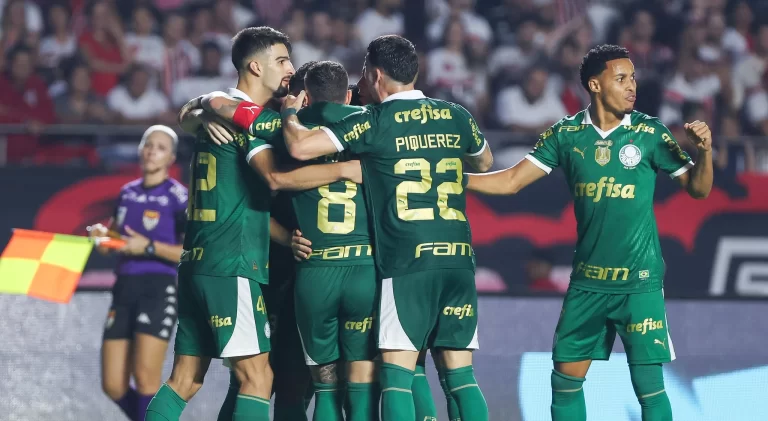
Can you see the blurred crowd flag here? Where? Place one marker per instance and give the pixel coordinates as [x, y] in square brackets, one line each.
[43, 265]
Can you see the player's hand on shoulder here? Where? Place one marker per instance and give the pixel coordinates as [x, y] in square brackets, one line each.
[219, 131]
[700, 134]
[295, 102]
[300, 246]
[193, 104]
[352, 171]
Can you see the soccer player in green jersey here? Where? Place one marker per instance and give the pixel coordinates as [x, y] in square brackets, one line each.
[336, 287]
[610, 155]
[412, 150]
[221, 308]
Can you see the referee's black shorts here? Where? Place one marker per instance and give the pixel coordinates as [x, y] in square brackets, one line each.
[142, 304]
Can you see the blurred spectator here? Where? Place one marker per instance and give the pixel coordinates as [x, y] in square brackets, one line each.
[566, 77]
[750, 80]
[653, 61]
[61, 43]
[345, 49]
[383, 19]
[530, 108]
[505, 18]
[737, 38]
[508, 62]
[230, 17]
[143, 45]
[474, 94]
[302, 50]
[136, 102]
[25, 100]
[272, 12]
[103, 46]
[19, 26]
[181, 58]
[447, 64]
[79, 105]
[694, 82]
[315, 44]
[208, 79]
[476, 26]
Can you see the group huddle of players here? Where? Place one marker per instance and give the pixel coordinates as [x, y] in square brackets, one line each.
[385, 267]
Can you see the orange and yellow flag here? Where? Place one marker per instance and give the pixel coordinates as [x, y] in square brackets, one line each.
[43, 265]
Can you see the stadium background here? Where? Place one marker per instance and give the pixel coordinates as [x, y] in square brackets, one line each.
[69, 127]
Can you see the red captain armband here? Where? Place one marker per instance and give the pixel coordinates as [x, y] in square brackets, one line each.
[246, 113]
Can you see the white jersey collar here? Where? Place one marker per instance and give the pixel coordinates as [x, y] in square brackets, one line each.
[412, 94]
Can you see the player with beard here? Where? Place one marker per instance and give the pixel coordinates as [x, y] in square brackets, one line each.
[610, 155]
[225, 260]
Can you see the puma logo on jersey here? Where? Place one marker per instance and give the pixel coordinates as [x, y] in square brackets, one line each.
[251, 109]
[580, 152]
[660, 342]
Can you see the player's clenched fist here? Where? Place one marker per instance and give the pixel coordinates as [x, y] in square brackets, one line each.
[698, 132]
[294, 102]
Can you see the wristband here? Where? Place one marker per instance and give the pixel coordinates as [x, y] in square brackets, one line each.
[245, 114]
[288, 112]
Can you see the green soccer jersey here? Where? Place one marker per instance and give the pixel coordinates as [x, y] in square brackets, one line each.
[411, 149]
[228, 229]
[612, 177]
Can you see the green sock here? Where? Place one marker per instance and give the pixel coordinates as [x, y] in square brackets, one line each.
[167, 405]
[568, 398]
[363, 399]
[648, 382]
[328, 402]
[251, 408]
[396, 396]
[422, 396]
[463, 387]
[228, 407]
[453, 408]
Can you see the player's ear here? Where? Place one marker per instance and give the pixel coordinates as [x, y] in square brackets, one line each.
[254, 67]
[307, 98]
[349, 97]
[594, 85]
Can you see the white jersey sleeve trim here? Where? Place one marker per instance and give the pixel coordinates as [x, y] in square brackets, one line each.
[538, 163]
[256, 150]
[682, 170]
[334, 139]
[485, 145]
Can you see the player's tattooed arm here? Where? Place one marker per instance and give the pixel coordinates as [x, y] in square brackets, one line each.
[302, 143]
[218, 130]
[505, 182]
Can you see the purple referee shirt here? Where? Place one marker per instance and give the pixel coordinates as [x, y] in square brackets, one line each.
[157, 212]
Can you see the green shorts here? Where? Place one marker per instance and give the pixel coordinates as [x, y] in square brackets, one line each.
[335, 312]
[589, 322]
[432, 308]
[221, 317]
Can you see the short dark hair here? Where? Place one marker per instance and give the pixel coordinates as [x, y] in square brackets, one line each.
[395, 56]
[253, 40]
[327, 81]
[355, 100]
[296, 84]
[595, 60]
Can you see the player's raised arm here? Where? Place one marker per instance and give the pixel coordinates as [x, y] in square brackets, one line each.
[303, 143]
[698, 181]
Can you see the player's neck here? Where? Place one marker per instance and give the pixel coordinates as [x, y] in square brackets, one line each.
[396, 88]
[602, 118]
[257, 92]
[154, 179]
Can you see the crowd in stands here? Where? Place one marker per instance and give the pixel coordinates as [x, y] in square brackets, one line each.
[512, 63]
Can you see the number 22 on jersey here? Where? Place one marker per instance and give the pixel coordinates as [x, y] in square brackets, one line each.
[198, 185]
[423, 186]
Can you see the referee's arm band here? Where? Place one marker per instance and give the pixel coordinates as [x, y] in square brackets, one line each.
[246, 113]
